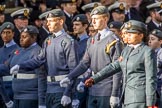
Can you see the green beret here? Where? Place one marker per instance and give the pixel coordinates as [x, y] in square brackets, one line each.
[21, 13]
[155, 6]
[157, 33]
[55, 13]
[134, 26]
[88, 7]
[6, 25]
[99, 11]
[31, 29]
[81, 17]
[117, 7]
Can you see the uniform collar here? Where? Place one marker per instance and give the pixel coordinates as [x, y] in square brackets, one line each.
[156, 23]
[103, 33]
[83, 36]
[67, 13]
[59, 33]
[12, 42]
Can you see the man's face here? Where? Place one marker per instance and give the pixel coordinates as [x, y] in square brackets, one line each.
[118, 16]
[99, 21]
[154, 42]
[78, 27]
[7, 35]
[71, 8]
[134, 38]
[157, 16]
[124, 36]
[21, 23]
[54, 24]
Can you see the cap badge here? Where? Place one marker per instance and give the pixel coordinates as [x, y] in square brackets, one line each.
[121, 6]
[26, 13]
[8, 26]
[111, 25]
[2, 7]
[154, 32]
[77, 18]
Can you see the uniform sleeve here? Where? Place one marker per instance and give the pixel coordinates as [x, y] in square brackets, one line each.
[34, 62]
[82, 66]
[118, 76]
[151, 79]
[108, 71]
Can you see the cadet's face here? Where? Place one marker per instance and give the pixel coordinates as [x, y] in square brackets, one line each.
[25, 40]
[124, 36]
[99, 21]
[54, 24]
[92, 31]
[118, 16]
[134, 38]
[116, 31]
[78, 27]
[154, 42]
[7, 35]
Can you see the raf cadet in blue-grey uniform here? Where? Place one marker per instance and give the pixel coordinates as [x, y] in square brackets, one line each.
[59, 55]
[101, 50]
[25, 84]
[80, 24]
[21, 20]
[7, 34]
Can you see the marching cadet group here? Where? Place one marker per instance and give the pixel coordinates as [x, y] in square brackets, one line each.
[94, 54]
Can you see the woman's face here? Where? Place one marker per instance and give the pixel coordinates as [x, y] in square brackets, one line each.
[134, 38]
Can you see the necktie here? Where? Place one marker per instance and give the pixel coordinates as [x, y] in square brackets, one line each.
[98, 38]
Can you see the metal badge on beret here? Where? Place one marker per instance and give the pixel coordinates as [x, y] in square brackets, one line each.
[111, 25]
[129, 25]
[26, 13]
[8, 26]
[25, 30]
[121, 6]
[77, 18]
[154, 32]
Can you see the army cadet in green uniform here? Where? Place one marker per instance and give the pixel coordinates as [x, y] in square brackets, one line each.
[139, 69]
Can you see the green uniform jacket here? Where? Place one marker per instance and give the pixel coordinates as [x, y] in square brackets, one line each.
[139, 71]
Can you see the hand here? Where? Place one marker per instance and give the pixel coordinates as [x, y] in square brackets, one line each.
[114, 101]
[9, 104]
[65, 100]
[152, 107]
[14, 70]
[89, 82]
[80, 87]
[65, 82]
[75, 103]
[42, 106]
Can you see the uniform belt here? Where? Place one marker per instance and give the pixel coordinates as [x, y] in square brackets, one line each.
[7, 78]
[25, 76]
[55, 78]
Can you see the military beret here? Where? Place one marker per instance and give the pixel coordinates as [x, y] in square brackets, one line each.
[134, 26]
[2, 8]
[115, 24]
[117, 7]
[99, 10]
[157, 33]
[68, 1]
[6, 25]
[81, 17]
[31, 29]
[55, 13]
[88, 7]
[21, 13]
[155, 6]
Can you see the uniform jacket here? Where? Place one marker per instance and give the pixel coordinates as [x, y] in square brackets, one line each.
[139, 70]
